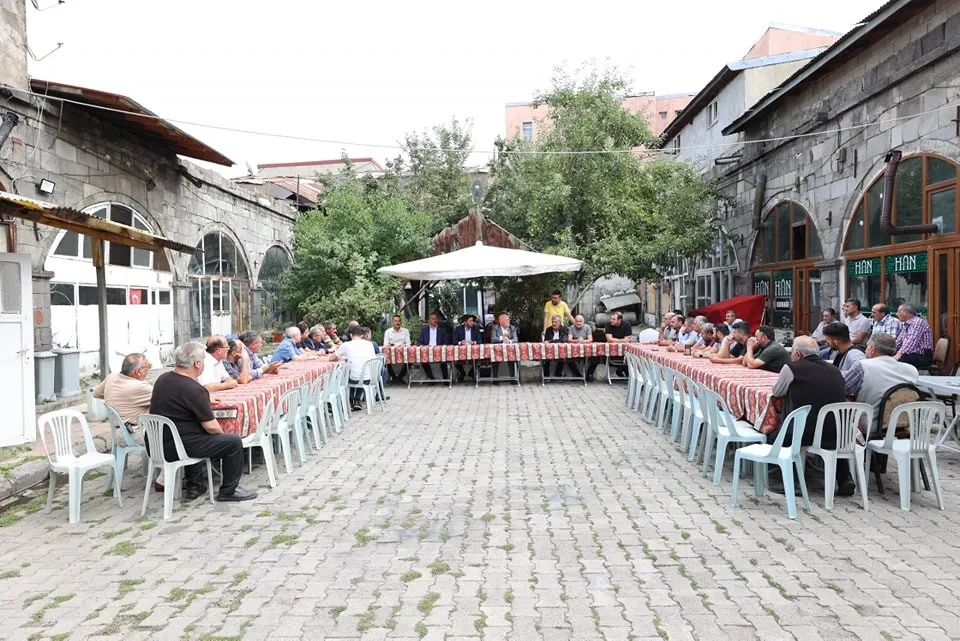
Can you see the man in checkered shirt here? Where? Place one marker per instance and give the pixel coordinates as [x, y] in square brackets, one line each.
[883, 321]
[915, 340]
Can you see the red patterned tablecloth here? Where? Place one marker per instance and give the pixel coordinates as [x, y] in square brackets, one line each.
[746, 391]
[239, 410]
[499, 353]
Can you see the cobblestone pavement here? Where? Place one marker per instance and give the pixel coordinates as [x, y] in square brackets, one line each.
[501, 513]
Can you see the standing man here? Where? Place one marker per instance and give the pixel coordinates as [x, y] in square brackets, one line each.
[214, 375]
[397, 336]
[504, 333]
[433, 335]
[764, 352]
[128, 391]
[253, 343]
[179, 397]
[466, 334]
[858, 324]
[619, 331]
[883, 321]
[731, 318]
[556, 307]
[915, 340]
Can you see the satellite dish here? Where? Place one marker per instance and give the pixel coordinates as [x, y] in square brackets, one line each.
[250, 171]
[477, 189]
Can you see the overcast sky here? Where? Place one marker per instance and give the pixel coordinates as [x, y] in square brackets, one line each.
[368, 72]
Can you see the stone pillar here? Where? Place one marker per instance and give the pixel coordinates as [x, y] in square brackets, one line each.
[830, 283]
[256, 309]
[13, 44]
[181, 312]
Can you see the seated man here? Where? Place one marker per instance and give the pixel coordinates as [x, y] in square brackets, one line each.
[288, 351]
[859, 325]
[829, 317]
[915, 340]
[179, 397]
[764, 352]
[127, 391]
[733, 351]
[671, 328]
[357, 352]
[620, 331]
[838, 340]
[705, 340]
[253, 343]
[809, 380]
[731, 318]
[236, 363]
[713, 337]
[331, 330]
[503, 334]
[871, 378]
[687, 336]
[466, 334]
[313, 341]
[346, 335]
[580, 332]
[557, 333]
[433, 334]
[397, 336]
[214, 375]
[883, 321]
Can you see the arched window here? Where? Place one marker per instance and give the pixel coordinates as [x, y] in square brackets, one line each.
[785, 250]
[275, 263]
[73, 245]
[219, 287]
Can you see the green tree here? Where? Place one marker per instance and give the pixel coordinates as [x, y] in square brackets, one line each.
[364, 224]
[591, 192]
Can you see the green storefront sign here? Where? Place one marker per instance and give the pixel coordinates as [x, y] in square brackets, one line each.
[905, 263]
[864, 267]
[783, 283]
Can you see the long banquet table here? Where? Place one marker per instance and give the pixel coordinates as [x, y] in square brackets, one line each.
[239, 410]
[746, 391]
[499, 353]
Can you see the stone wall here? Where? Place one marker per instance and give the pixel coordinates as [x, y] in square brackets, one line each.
[13, 43]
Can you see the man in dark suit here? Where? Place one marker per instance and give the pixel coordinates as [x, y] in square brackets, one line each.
[557, 333]
[466, 334]
[504, 333]
[433, 334]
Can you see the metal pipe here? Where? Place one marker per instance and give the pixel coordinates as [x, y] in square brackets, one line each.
[8, 122]
[889, 186]
[758, 198]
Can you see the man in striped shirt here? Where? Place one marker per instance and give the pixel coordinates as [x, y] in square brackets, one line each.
[915, 340]
[883, 321]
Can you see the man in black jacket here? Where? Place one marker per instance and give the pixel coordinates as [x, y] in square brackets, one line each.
[809, 380]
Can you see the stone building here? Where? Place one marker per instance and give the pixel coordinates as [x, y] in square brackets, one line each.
[809, 186]
[105, 155]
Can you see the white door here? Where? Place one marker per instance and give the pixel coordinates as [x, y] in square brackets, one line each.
[18, 419]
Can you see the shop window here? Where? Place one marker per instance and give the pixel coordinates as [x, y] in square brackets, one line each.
[71, 246]
[62, 294]
[786, 234]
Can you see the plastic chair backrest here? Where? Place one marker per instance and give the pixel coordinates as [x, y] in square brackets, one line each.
[61, 426]
[117, 428]
[268, 419]
[289, 404]
[304, 397]
[721, 415]
[331, 385]
[941, 350]
[798, 420]
[371, 370]
[895, 397]
[153, 427]
[921, 417]
[693, 394]
[344, 374]
[848, 418]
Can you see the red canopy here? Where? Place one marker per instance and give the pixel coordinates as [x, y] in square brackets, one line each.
[748, 308]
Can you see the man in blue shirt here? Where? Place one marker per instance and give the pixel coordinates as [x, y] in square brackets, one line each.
[287, 350]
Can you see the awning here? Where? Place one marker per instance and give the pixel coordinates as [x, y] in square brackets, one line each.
[480, 261]
[70, 219]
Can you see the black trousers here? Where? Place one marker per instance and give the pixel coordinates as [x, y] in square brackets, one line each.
[463, 372]
[394, 375]
[228, 448]
[510, 366]
[920, 360]
[356, 393]
[428, 370]
[558, 366]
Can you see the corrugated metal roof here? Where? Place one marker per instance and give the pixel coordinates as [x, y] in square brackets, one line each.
[611, 303]
[335, 161]
[122, 111]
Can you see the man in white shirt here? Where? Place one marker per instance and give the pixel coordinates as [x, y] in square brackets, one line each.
[357, 352]
[397, 336]
[214, 375]
[859, 325]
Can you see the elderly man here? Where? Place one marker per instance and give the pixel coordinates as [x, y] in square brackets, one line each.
[179, 397]
[346, 335]
[432, 334]
[288, 351]
[556, 307]
[214, 375]
[871, 378]
[915, 340]
[712, 337]
[883, 321]
[733, 351]
[503, 334]
[397, 336]
[236, 363]
[858, 324]
[466, 334]
[253, 343]
[313, 341]
[829, 317]
[808, 380]
[688, 335]
[672, 324]
[580, 332]
[764, 352]
[331, 329]
[127, 391]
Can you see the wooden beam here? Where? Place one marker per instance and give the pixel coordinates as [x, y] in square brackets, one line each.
[98, 263]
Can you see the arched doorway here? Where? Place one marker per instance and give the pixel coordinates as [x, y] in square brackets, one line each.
[920, 269]
[275, 263]
[138, 293]
[219, 287]
[786, 249]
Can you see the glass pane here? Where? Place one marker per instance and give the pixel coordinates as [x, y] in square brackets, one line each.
[855, 233]
[910, 287]
[783, 233]
[196, 261]
[799, 215]
[228, 257]
[757, 258]
[799, 242]
[768, 239]
[275, 262]
[943, 292]
[211, 254]
[813, 300]
[139, 224]
[122, 215]
[813, 238]
[878, 237]
[866, 289]
[909, 190]
[195, 304]
[10, 295]
[943, 210]
[68, 245]
[62, 294]
[164, 297]
[88, 295]
[940, 170]
[216, 299]
[116, 296]
[141, 257]
[119, 255]
[87, 248]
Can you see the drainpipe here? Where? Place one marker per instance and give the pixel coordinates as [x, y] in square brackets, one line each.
[8, 122]
[889, 184]
[758, 198]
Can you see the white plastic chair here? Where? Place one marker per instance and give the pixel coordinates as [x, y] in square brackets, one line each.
[634, 384]
[121, 445]
[669, 397]
[330, 398]
[652, 396]
[288, 404]
[725, 429]
[153, 429]
[847, 417]
[692, 413]
[787, 458]
[370, 384]
[908, 452]
[317, 412]
[64, 461]
[96, 407]
[345, 391]
[263, 438]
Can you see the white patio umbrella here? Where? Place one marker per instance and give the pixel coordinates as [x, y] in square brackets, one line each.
[482, 260]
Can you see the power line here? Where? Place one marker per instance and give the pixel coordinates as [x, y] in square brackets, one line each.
[522, 152]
